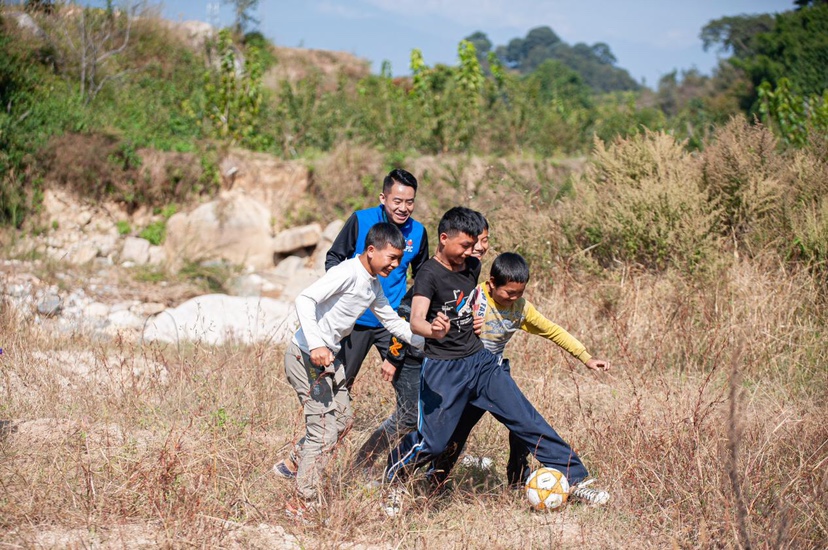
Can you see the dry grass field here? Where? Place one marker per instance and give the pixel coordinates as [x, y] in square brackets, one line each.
[710, 432]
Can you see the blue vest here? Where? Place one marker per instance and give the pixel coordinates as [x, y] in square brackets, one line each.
[394, 286]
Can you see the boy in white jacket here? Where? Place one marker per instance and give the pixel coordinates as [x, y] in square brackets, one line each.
[327, 311]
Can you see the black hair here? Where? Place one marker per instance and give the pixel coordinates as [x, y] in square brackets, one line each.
[509, 267]
[484, 221]
[461, 220]
[398, 175]
[384, 234]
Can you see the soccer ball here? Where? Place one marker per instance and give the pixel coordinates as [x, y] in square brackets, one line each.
[547, 489]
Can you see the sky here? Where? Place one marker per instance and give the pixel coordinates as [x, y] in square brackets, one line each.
[650, 38]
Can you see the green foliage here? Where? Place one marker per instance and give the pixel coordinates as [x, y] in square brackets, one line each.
[640, 202]
[232, 95]
[449, 97]
[123, 227]
[795, 118]
[594, 64]
[155, 232]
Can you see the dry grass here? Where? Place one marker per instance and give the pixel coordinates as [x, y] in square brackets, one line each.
[120, 445]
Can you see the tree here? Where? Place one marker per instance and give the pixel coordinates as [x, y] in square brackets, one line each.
[242, 10]
[736, 34]
[89, 42]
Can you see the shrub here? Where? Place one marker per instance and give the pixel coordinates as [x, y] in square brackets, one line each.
[640, 201]
[742, 174]
[155, 232]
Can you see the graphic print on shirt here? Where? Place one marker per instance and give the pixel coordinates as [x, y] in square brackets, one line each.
[459, 309]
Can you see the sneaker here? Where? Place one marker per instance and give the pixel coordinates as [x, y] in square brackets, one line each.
[393, 501]
[285, 468]
[583, 493]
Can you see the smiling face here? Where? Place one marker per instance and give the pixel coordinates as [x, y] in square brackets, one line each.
[482, 245]
[383, 261]
[456, 248]
[506, 294]
[398, 203]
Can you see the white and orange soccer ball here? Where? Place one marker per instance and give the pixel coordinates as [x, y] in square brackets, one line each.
[547, 489]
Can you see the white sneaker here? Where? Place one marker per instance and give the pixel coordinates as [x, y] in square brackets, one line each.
[582, 492]
[394, 500]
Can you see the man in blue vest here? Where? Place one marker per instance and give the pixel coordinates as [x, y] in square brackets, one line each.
[399, 191]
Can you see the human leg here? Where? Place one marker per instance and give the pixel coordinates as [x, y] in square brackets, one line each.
[442, 465]
[517, 468]
[402, 421]
[323, 405]
[444, 392]
[498, 393]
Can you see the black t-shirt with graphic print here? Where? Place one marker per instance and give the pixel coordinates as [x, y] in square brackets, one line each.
[450, 292]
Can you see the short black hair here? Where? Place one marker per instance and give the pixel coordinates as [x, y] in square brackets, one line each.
[485, 223]
[509, 267]
[461, 220]
[398, 175]
[384, 234]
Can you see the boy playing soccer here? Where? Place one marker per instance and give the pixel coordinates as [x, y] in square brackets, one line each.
[504, 311]
[402, 367]
[327, 311]
[459, 370]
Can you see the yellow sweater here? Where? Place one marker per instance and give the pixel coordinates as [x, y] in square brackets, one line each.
[500, 324]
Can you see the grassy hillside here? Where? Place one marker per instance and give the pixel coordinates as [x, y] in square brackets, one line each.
[698, 269]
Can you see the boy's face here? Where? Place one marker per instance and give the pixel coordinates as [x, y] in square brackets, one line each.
[383, 261]
[398, 203]
[456, 248]
[508, 294]
[482, 245]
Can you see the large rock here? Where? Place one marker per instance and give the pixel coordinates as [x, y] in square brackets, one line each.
[276, 183]
[135, 250]
[235, 228]
[297, 238]
[325, 241]
[217, 318]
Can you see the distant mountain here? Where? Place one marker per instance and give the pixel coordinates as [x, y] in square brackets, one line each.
[595, 64]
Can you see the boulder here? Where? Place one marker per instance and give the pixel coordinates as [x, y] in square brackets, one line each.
[325, 241]
[251, 284]
[235, 228]
[278, 184]
[216, 318]
[82, 253]
[135, 250]
[157, 256]
[297, 238]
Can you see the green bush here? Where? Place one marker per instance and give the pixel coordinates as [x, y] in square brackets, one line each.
[155, 232]
[640, 202]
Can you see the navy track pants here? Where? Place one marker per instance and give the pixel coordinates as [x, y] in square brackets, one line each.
[448, 385]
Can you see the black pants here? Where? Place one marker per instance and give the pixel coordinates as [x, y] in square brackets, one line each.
[355, 348]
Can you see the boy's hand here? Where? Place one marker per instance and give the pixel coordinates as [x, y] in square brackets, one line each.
[440, 326]
[597, 364]
[478, 325]
[321, 357]
[388, 371]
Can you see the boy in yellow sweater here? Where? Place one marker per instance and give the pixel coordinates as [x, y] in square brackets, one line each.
[499, 301]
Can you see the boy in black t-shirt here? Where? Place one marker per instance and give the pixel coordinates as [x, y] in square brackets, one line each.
[458, 370]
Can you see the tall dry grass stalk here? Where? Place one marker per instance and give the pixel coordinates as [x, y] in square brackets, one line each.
[122, 445]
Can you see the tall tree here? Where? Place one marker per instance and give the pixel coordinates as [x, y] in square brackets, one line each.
[242, 10]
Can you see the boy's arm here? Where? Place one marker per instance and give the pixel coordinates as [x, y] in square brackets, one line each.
[436, 329]
[325, 287]
[391, 320]
[535, 323]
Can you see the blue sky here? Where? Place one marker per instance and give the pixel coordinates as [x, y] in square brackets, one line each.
[648, 37]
